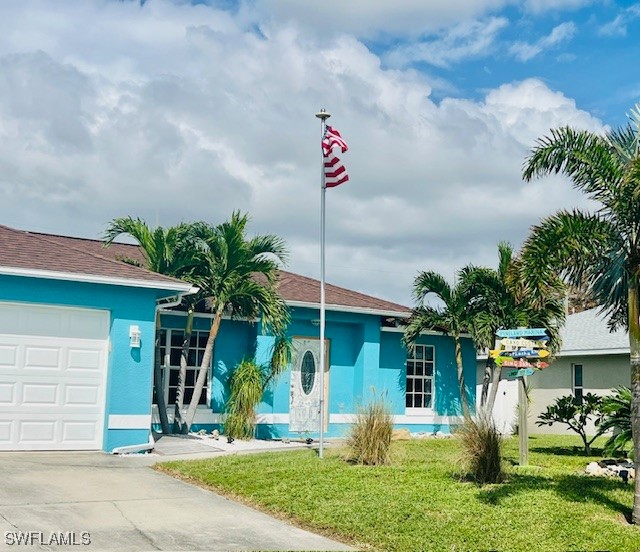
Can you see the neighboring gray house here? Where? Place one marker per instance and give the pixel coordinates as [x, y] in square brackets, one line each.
[591, 360]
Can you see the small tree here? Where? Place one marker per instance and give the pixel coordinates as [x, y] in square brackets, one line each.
[575, 414]
[616, 416]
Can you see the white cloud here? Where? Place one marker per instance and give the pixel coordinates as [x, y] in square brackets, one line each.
[367, 19]
[618, 26]
[463, 41]
[541, 6]
[171, 112]
[524, 51]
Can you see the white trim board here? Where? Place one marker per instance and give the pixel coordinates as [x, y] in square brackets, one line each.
[344, 308]
[182, 287]
[424, 332]
[129, 421]
[205, 416]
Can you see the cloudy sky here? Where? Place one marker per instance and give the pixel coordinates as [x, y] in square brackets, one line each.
[175, 111]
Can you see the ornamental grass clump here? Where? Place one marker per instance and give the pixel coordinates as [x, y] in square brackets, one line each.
[482, 446]
[246, 386]
[369, 438]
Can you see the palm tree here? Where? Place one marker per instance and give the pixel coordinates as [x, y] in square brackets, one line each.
[601, 248]
[499, 300]
[453, 318]
[172, 251]
[241, 280]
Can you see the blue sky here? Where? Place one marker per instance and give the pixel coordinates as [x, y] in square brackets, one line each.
[172, 111]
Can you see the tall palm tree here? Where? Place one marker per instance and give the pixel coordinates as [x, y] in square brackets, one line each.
[600, 248]
[453, 318]
[172, 251]
[499, 300]
[241, 280]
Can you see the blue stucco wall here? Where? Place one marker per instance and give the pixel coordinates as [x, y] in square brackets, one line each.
[363, 361]
[130, 371]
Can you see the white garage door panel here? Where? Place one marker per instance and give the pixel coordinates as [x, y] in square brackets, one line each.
[52, 385]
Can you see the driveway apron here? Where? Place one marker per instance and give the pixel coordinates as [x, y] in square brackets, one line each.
[125, 505]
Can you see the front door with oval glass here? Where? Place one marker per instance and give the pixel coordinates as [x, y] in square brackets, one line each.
[304, 407]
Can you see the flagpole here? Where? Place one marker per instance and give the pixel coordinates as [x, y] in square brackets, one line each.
[323, 116]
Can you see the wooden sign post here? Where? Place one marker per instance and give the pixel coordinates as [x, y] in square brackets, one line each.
[518, 347]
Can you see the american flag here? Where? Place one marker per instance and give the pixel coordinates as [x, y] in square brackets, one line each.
[334, 171]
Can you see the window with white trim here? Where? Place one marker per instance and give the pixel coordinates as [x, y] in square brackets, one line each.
[170, 352]
[576, 374]
[420, 384]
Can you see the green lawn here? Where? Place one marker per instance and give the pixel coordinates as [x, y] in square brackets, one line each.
[419, 503]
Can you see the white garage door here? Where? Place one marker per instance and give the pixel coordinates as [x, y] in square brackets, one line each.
[53, 368]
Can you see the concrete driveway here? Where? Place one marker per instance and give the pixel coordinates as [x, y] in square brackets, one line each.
[125, 505]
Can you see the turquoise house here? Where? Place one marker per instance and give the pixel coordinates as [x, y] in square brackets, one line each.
[365, 358]
[77, 333]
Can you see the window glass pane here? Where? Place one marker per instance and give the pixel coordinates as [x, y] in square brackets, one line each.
[163, 337]
[173, 377]
[429, 353]
[409, 400]
[419, 351]
[577, 370]
[417, 401]
[177, 337]
[409, 385]
[427, 401]
[578, 395]
[191, 378]
[174, 357]
[427, 386]
[202, 339]
[419, 369]
[418, 386]
[199, 358]
[191, 359]
[308, 372]
[410, 368]
[428, 369]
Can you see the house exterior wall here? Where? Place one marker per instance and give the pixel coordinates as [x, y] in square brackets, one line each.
[363, 360]
[601, 373]
[130, 371]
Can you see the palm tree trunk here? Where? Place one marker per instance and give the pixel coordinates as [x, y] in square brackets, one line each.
[204, 368]
[463, 390]
[178, 423]
[495, 383]
[158, 382]
[634, 346]
[486, 380]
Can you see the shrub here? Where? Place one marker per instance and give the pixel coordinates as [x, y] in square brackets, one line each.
[482, 445]
[616, 411]
[575, 414]
[369, 438]
[246, 388]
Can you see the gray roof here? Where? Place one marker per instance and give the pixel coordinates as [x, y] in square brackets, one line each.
[587, 333]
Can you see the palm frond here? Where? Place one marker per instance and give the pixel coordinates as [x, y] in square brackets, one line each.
[429, 282]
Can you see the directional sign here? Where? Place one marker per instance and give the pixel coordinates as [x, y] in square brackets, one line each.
[522, 332]
[513, 374]
[510, 342]
[517, 363]
[525, 353]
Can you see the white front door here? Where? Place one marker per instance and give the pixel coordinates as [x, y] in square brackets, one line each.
[53, 375]
[304, 407]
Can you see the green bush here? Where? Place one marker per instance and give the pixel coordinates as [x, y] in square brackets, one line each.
[616, 411]
[482, 446]
[576, 414]
[369, 438]
[246, 388]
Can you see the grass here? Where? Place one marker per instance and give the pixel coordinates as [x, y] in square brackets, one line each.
[420, 503]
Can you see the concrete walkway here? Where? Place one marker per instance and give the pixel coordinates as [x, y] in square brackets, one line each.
[125, 505]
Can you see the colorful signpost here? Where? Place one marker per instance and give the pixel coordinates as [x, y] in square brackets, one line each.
[521, 348]
[513, 374]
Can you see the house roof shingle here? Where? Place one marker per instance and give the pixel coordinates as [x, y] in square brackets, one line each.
[587, 331]
[65, 254]
[44, 253]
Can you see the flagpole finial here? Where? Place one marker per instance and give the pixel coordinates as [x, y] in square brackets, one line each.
[323, 114]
